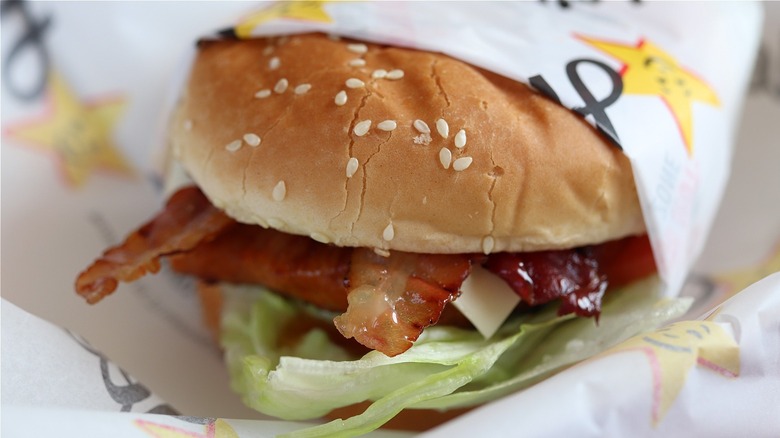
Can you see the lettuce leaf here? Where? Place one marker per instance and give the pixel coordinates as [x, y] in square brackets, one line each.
[447, 367]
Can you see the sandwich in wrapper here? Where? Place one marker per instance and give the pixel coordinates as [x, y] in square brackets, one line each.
[343, 197]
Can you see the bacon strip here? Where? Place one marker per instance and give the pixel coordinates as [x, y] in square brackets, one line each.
[294, 265]
[625, 260]
[392, 299]
[387, 301]
[540, 277]
[187, 220]
[579, 277]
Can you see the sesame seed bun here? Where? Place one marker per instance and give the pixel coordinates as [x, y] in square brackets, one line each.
[532, 175]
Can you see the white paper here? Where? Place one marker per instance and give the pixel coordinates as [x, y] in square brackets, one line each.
[46, 366]
[32, 422]
[129, 52]
[709, 403]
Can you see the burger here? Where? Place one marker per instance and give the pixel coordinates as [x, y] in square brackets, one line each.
[355, 211]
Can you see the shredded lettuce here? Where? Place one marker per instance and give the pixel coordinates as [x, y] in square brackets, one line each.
[447, 367]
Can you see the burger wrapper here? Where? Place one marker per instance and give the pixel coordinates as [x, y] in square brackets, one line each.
[85, 91]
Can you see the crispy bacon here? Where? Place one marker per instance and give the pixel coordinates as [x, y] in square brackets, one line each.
[544, 276]
[392, 299]
[295, 265]
[413, 288]
[387, 301]
[579, 277]
[625, 260]
[187, 220]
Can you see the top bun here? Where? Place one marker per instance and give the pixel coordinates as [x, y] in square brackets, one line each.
[539, 177]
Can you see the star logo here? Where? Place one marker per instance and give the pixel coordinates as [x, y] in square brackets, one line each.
[78, 133]
[310, 10]
[649, 70]
[672, 351]
[214, 429]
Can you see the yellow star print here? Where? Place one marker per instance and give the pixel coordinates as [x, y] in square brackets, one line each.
[649, 70]
[216, 429]
[674, 350]
[78, 134]
[308, 10]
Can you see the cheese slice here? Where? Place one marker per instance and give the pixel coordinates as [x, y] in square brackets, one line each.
[486, 300]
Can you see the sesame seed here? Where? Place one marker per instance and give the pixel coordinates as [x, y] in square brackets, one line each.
[355, 83]
[379, 74]
[233, 145]
[262, 94]
[283, 40]
[268, 50]
[395, 74]
[488, 243]
[274, 63]
[188, 125]
[280, 191]
[460, 139]
[281, 86]
[445, 157]
[319, 237]
[352, 167]
[422, 126]
[357, 48]
[462, 163]
[276, 223]
[387, 125]
[252, 139]
[302, 89]
[443, 128]
[357, 62]
[388, 233]
[381, 252]
[422, 139]
[341, 98]
[361, 128]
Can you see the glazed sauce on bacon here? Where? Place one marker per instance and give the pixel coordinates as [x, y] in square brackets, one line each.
[392, 299]
[387, 301]
[577, 277]
[571, 276]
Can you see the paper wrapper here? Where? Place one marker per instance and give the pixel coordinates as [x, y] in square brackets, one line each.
[701, 377]
[85, 87]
